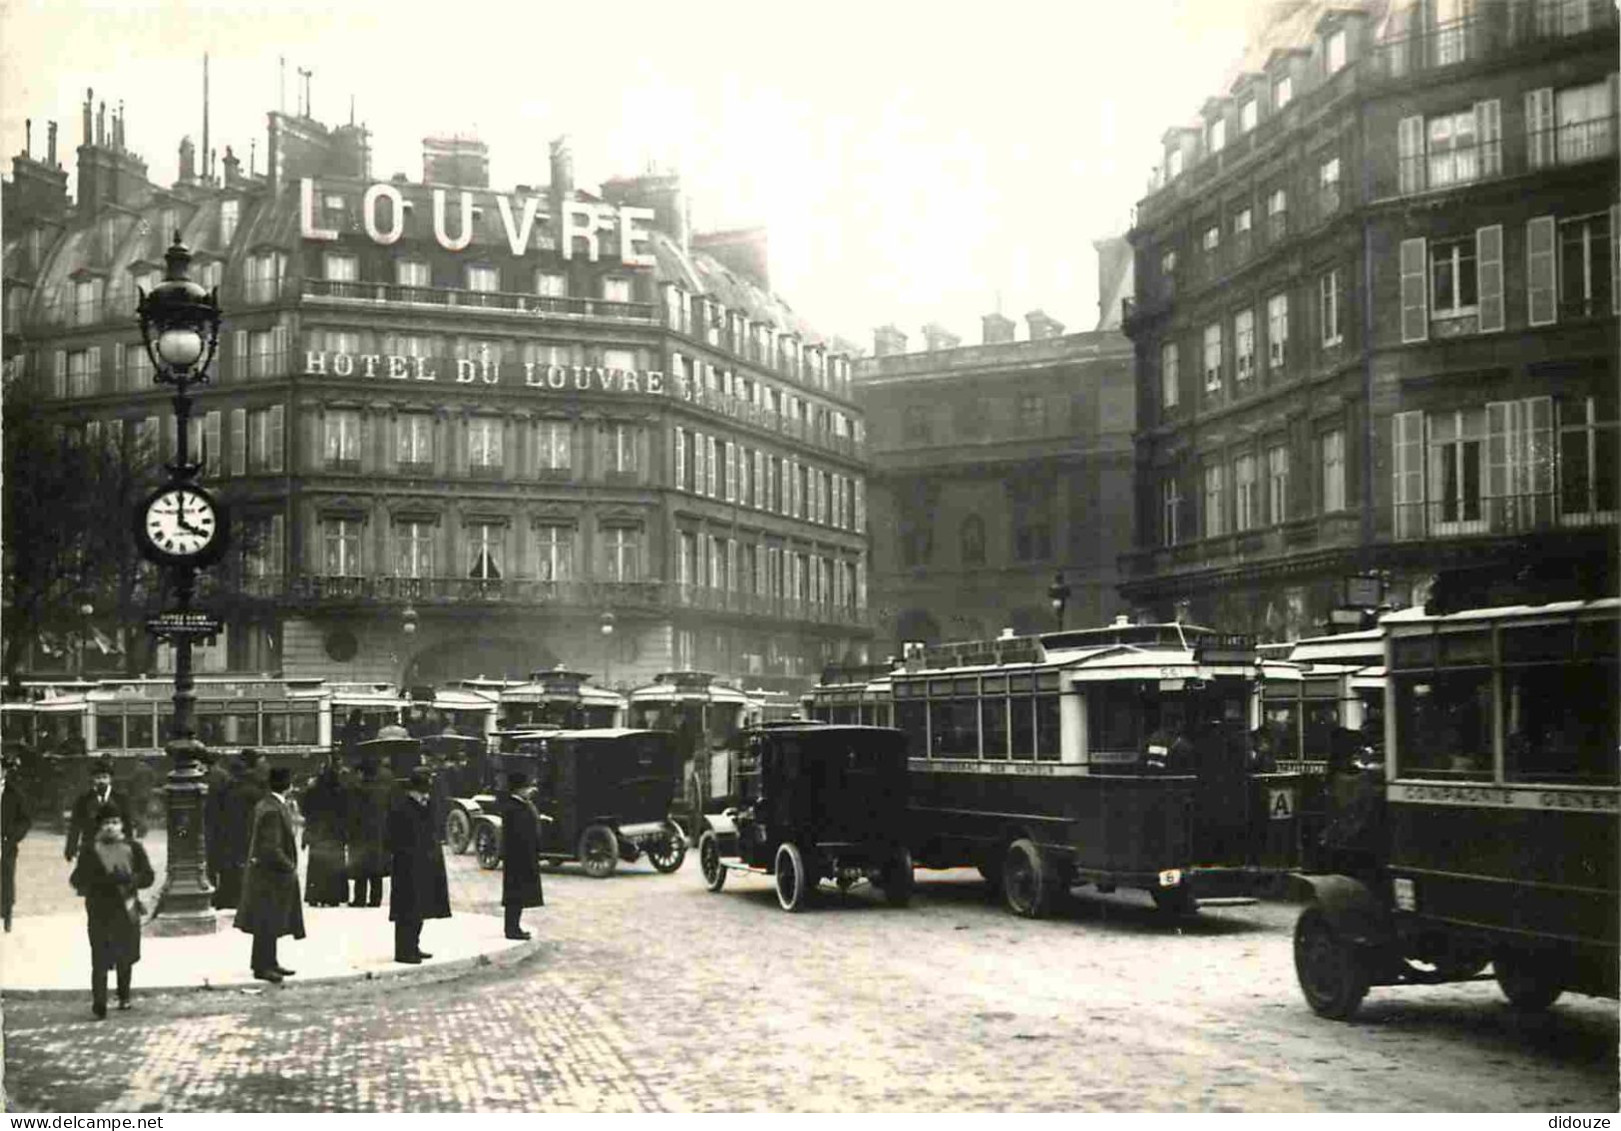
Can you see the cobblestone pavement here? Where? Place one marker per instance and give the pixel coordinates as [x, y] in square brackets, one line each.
[654, 994]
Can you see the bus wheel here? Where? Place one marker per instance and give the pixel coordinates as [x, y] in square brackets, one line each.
[1333, 975]
[1529, 981]
[458, 831]
[667, 853]
[896, 879]
[709, 861]
[1028, 884]
[599, 851]
[793, 881]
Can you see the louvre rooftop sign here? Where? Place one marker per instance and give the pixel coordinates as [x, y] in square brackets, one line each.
[583, 221]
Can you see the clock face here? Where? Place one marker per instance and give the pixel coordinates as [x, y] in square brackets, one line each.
[180, 522]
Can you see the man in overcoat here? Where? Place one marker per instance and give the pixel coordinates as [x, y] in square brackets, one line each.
[14, 825]
[271, 905]
[420, 890]
[235, 818]
[82, 821]
[218, 783]
[325, 832]
[366, 816]
[520, 867]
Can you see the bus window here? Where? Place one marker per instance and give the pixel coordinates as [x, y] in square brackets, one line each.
[724, 721]
[993, 714]
[1048, 746]
[1283, 724]
[1444, 723]
[211, 730]
[139, 733]
[61, 731]
[954, 723]
[109, 732]
[599, 717]
[1560, 723]
[297, 728]
[1023, 712]
[909, 717]
[242, 728]
[1322, 716]
[1114, 716]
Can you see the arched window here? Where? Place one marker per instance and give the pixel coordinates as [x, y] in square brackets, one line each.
[973, 540]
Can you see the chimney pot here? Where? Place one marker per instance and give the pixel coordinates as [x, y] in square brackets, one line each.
[1043, 325]
[888, 340]
[998, 329]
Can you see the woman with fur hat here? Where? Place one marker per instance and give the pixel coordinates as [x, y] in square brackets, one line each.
[111, 869]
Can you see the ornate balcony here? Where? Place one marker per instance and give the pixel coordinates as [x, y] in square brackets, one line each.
[495, 302]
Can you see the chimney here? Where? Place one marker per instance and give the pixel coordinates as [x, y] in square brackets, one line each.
[50, 151]
[188, 161]
[233, 168]
[562, 167]
[937, 337]
[101, 124]
[1043, 326]
[887, 340]
[28, 138]
[455, 161]
[89, 102]
[999, 328]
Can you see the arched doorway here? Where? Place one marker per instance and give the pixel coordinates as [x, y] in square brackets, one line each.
[465, 658]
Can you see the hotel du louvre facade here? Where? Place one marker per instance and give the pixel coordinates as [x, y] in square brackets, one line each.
[545, 426]
[1375, 314]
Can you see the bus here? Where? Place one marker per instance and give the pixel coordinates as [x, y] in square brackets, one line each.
[860, 694]
[707, 718]
[560, 698]
[1489, 834]
[1116, 756]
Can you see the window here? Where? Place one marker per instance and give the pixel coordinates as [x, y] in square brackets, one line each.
[1333, 449]
[340, 540]
[202, 441]
[1211, 240]
[619, 450]
[1334, 52]
[1452, 278]
[413, 549]
[1243, 220]
[1170, 504]
[1214, 501]
[1169, 375]
[1217, 135]
[554, 552]
[86, 302]
[1033, 414]
[1283, 91]
[483, 278]
[621, 553]
[1519, 487]
[973, 540]
[230, 213]
[1456, 440]
[1453, 158]
[1167, 268]
[265, 439]
[1244, 343]
[1586, 266]
[264, 352]
[1246, 512]
[1212, 357]
[1328, 306]
[615, 289]
[1247, 116]
[340, 268]
[553, 445]
[412, 273]
[84, 371]
[484, 445]
[342, 440]
[1407, 488]
[1585, 122]
[1328, 186]
[1277, 331]
[1277, 483]
[265, 546]
[1173, 164]
[486, 544]
[915, 423]
[551, 285]
[1588, 464]
[413, 441]
[1277, 214]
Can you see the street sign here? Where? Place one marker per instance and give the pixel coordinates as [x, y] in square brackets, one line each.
[175, 625]
[1364, 592]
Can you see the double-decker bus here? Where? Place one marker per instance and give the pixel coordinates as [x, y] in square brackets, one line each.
[560, 698]
[707, 717]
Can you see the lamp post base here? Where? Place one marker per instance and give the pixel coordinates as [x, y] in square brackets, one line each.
[185, 906]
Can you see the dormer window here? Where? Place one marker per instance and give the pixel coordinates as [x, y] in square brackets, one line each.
[1283, 90]
[615, 289]
[1173, 165]
[1247, 116]
[483, 278]
[1218, 135]
[1334, 52]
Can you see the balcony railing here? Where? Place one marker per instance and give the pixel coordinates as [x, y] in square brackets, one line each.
[508, 301]
[1489, 33]
[1458, 165]
[1504, 514]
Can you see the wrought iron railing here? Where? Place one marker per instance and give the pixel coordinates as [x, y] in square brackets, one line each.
[515, 302]
[1502, 514]
[1489, 32]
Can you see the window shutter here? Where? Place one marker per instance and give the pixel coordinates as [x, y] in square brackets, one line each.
[1408, 487]
[1415, 315]
[1489, 136]
[731, 472]
[680, 459]
[239, 354]
[211, 444]
[1410, 155]
[699, 473]
[1615, 259]
[1539, 127]
[118, 367]
[761, 497]
[277, 437]
[93, 371]
[1502, 433]
[59, 383]
[239, 441]
[1489, 276]
[1539, 271]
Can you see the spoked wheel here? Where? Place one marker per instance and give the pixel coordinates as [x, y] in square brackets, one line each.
[666, 855]
[793, 879]
[1333, 975]
[1531, 983]
[709, 861]
[599, 851]
[896, 879]
[487, 843]
[1028, 885]
[458, 831]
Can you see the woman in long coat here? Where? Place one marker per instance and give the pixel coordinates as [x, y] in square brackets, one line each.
[326, 883]
[110, 871]
[419, 889]
[367, 820]
[520, 859]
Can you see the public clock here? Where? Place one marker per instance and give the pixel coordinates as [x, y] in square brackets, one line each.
[181, 525]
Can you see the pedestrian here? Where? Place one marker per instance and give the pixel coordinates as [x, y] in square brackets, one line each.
[139, 786]
[271, 906]
[111, 870]
[82, 821]
[215, 785]
[242, 796]
[420, 890]
[326, 882]
[367, 818]
[520, 866]
[14, 825]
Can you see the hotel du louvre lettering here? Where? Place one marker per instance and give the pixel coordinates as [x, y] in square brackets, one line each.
[553, 378]
[582, 221]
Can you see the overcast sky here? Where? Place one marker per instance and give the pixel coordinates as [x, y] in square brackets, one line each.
[912, 161]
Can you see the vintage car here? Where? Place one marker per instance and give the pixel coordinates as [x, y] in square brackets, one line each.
[604, 796]
[804, 802]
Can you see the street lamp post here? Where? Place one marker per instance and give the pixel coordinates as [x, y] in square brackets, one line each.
[1058, 594]
[607, 648]
[181, 526]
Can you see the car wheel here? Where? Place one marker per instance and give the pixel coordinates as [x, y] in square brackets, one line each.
[487, 843]
[1333, 974]
[458, 831]
[897, 879]
[599, 851]
[709, 861]
[1529, 981]
[1028, 885]
[793, 881]
[667, 855]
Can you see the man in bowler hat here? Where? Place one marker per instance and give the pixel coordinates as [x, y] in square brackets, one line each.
[82, 824]
[419, 889]
[520, 867]
[271, 904]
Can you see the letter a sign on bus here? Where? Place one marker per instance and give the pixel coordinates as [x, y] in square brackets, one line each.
[1280, 804]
